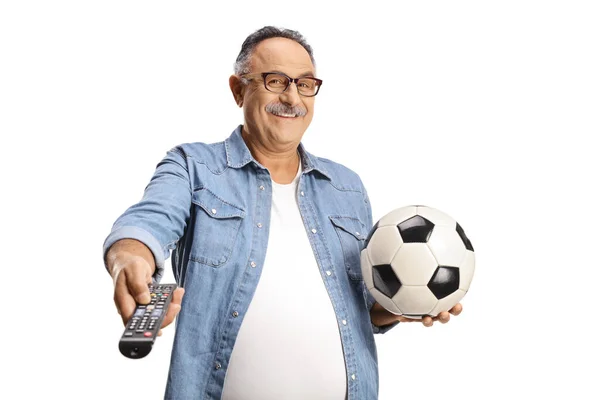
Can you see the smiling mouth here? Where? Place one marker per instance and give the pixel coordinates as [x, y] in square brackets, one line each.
[282, 115]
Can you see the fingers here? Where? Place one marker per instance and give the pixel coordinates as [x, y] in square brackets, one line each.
[444, 317]
[174, 307]
[456, 310]
[178, 296]
[131, 287]
[137, 283]
[124, 302]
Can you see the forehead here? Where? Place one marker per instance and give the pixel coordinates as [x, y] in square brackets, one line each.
[280, 54]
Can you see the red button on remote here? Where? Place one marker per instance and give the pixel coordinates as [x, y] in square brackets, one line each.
[147, 334]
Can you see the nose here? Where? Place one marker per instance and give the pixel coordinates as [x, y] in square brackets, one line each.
[291, 97]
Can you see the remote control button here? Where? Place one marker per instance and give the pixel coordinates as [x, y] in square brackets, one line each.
[147, 334]
[139, 331]
[128, 333]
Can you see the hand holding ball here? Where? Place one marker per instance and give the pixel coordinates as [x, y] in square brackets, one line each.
[417, 261]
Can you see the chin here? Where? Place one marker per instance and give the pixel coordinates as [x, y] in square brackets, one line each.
[289, 134]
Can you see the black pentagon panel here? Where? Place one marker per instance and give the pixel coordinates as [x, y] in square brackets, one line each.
[415, 229]
[371, 234]
[445, 281]
[385, 280]
[464, 237]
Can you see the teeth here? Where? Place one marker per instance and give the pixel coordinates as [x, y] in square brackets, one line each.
[285, 115]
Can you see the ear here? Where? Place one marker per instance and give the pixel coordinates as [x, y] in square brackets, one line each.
[237, 89]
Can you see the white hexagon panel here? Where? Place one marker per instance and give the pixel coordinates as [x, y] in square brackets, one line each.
[366, 268]
[414, 264]
[385, 301]
[437, 217]
[467, 269]
[446, 246]
[398, 215]
[384, 244]
[415, 301]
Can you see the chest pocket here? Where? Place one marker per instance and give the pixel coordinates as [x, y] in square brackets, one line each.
[352, 235]
[215, 226]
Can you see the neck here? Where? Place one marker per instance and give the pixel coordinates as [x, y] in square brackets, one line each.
[282, 162]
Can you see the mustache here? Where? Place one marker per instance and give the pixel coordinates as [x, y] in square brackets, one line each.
[280, 108]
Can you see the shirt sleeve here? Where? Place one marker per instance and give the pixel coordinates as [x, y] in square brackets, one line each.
[159, 219]
[370, 299]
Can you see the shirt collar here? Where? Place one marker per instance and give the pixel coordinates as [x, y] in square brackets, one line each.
[238, 155]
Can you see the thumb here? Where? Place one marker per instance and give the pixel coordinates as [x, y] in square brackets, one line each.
[138, 287]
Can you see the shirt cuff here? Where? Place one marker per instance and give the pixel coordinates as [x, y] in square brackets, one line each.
[385, 328]
[133, 232]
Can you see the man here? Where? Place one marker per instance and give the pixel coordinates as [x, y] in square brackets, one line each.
[267, 240]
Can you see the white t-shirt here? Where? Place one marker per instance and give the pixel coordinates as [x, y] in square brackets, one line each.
[289, 345]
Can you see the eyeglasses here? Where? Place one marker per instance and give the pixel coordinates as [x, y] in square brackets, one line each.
[278, 83]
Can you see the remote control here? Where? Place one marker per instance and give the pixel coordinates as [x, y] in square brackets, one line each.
[142, 328]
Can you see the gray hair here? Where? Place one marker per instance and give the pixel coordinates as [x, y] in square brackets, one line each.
[242, 63]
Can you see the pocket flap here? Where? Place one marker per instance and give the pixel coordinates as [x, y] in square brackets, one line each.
[351, 225]
[215, 206]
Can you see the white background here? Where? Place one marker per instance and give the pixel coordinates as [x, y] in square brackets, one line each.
[488, 111]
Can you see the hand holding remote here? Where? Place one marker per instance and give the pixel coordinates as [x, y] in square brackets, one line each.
[131, 265]
[141, 330]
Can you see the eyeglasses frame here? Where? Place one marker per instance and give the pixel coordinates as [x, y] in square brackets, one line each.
[290, 80]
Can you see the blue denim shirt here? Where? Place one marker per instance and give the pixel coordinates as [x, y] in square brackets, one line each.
[211, 204]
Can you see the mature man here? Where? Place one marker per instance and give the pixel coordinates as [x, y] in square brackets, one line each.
[267, 240]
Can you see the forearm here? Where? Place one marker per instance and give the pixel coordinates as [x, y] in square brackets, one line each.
[127, 248]
[381, 317]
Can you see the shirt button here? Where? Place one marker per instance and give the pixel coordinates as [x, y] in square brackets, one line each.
[253, 264]
[344, 321]
[235, 314]
[328, 273]
[217, 365]
[353, 377]
[357, 234]
[301, 193]
[314, 230]
[259, 225]
[214, 211]
[261, 187]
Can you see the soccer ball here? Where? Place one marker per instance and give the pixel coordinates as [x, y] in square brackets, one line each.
[417, 261]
